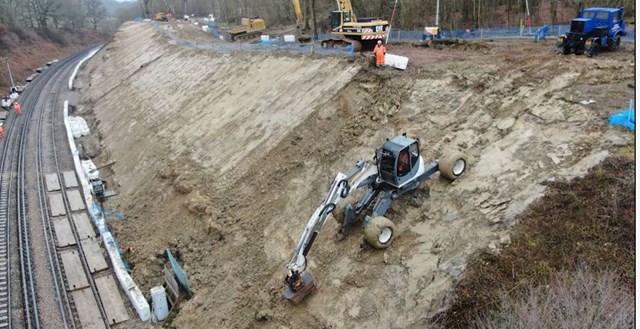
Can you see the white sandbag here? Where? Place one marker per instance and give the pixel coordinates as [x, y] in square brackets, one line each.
[264, 38]
[205, 28]
[289, 38]
[89, 169]
[399, 62]
[79, 127]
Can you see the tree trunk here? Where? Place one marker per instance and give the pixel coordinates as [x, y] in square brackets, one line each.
[313, 18]
[508, 12]
[307, 14]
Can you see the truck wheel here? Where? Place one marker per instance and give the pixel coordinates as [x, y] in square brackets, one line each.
[615, 45]
[453, 166]
[379, 232]
[593, 50]
[566, 50]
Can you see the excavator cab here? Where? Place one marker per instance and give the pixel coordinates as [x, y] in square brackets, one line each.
[398, 160]
[339, 17]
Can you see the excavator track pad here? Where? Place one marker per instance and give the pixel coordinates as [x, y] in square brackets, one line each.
[307, 287]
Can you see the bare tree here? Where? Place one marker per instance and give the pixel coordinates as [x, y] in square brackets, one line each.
[95, 12]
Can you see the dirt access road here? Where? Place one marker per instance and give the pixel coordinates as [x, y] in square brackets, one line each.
[223, 157]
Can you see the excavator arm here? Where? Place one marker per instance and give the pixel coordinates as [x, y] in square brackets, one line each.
[300, 22]
[345, 5]
[298, 11]
[299, 284]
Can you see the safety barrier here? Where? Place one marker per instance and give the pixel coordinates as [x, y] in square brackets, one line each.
[273, 45]
[494, 33]
[278, 45]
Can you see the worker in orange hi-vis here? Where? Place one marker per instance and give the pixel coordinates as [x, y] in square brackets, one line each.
[380, 51]
[17, 107]
[1, 131]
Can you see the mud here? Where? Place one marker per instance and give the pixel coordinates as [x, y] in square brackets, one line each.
[223, 158]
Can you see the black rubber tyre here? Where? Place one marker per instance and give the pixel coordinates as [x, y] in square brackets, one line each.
[379, 232]
[593, 50]
[615, 45]
[453, 166]
[566, 50]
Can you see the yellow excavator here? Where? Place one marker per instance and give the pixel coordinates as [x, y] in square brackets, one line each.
[344, 22]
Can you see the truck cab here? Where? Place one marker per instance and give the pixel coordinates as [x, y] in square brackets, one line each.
[593, 29]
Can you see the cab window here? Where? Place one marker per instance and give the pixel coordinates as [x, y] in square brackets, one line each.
[602, 15]
[403, 162]
[414, 153]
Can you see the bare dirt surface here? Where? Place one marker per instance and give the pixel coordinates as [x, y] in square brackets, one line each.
[224, 157]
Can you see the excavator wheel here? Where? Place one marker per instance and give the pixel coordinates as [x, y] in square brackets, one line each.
[453, 166]
[379, 232]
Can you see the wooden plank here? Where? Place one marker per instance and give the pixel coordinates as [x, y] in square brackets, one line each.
[56, 205]
[83, 226]
[111, 300]
[70, 179]
[52, 182]
[88, 310]
[64, 234]
[172, 286]
[94, 256]
[75, 200]
[73, 269]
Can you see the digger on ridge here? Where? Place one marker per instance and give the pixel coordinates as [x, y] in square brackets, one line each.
[396, 169]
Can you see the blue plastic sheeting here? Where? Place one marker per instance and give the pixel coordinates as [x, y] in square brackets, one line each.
[541, 34]
[180, 274]
[625, 118]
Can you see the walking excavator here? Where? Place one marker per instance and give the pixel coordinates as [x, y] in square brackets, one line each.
[397, 168]
[356, 31]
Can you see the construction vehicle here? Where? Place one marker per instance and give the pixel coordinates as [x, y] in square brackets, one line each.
[249, 28]
[161, 17]
[396, 169]
[357, 32]
[592, 30]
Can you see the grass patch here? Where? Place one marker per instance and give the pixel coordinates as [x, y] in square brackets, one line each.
[588, 222]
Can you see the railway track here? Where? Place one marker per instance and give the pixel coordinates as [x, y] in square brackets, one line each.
[66, 307]
[15, 195]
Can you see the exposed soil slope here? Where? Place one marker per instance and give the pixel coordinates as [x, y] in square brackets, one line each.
[224, 158]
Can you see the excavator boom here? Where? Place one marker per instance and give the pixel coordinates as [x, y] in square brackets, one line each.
[300, 283]
[298, 12]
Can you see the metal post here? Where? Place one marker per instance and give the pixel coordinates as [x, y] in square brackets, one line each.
[393, 14]
[438, 13]
[10, 75]
[528, 15]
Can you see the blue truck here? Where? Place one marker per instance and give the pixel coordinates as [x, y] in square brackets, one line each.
[594, 29]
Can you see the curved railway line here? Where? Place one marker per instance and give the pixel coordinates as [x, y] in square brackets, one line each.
[26, 235]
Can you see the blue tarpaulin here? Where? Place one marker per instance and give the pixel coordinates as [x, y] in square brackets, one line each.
[180, 274]
[625, 118]
[541, 34]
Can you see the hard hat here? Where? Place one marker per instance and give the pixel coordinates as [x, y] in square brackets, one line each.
[379, 42]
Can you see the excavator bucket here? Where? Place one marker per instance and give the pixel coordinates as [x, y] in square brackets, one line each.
[307, 287]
